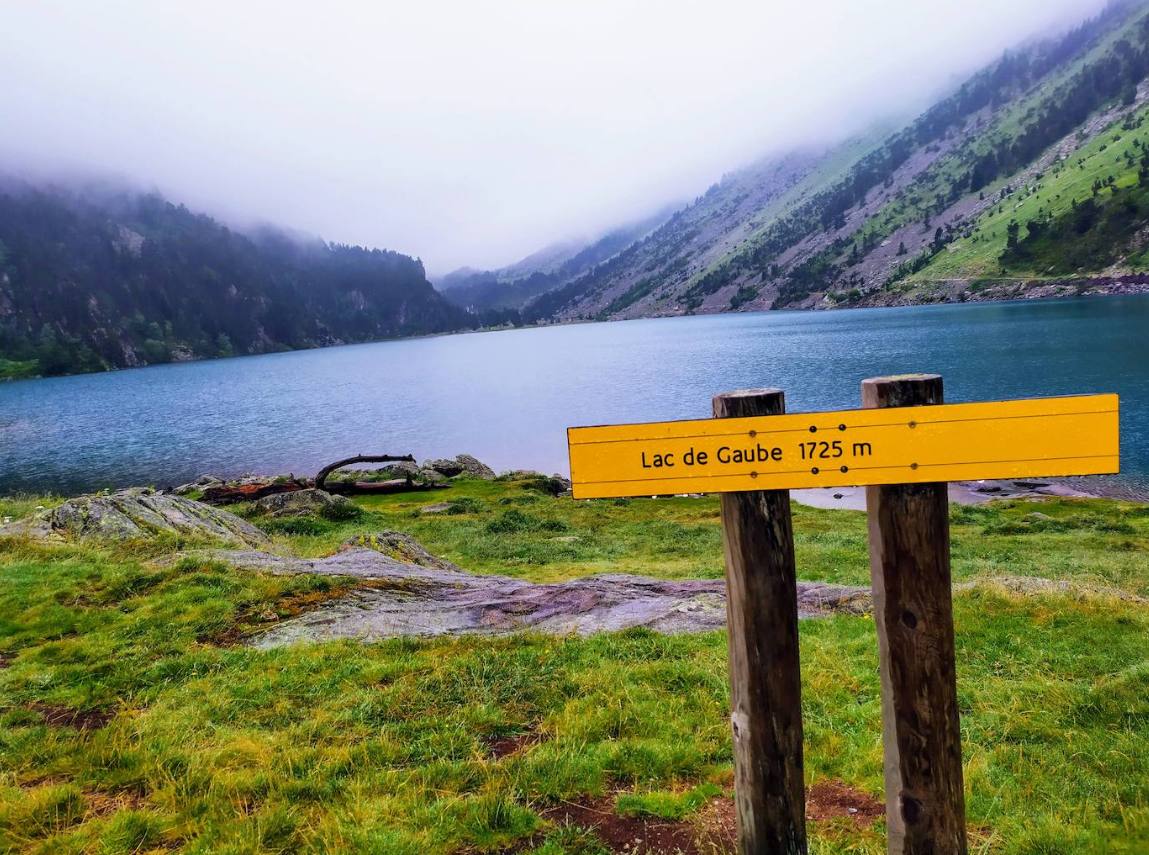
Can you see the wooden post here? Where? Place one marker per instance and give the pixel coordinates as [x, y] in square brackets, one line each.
[765, 683]
[913, 609]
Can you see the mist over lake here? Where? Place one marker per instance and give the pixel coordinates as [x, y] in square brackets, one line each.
[508, 397]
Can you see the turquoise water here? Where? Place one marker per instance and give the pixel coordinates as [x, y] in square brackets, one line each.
[507, 397]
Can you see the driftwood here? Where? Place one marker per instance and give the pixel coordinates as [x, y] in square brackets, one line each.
[397, 485]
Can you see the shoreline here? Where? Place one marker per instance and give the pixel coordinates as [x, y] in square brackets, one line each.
[944, 292]
[997, 290]
[1115, 488]
[981, 492]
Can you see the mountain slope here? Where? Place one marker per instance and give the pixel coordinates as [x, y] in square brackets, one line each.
[95, 280]
[646, 277]
[878, 222]
[512, 287]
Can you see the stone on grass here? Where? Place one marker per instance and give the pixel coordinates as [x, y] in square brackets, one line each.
[400, 546]
[463, 464]
[139, 513]
[199, 484]
[306, 503]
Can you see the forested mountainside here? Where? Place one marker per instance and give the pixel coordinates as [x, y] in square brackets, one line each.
[1035, 170]
[95, 280]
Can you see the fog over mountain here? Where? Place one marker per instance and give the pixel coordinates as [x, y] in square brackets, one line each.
[467, 133]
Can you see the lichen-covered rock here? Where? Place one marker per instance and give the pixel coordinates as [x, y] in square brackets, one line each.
[407, 598]
[393, 471]
[306, 503]
[463, 464]
[447, 468]
[400, 546]
[518, 475]
[475, 468]
[140, 513]
[198, 485]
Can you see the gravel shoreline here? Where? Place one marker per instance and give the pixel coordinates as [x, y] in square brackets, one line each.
[979, 492]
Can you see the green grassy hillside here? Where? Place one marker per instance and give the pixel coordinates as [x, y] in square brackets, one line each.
[877, 221]
[1102, 172]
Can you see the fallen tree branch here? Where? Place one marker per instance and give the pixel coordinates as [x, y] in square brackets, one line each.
[395, 486]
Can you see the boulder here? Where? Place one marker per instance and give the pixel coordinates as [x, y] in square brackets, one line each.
[519, 475]
[400, 471]
[446, 468]
[306, 503]
[391, 471]
[400, 546]
[463, 464]
[198, 485]
[552, 485]
[139, 513]
[475, 468]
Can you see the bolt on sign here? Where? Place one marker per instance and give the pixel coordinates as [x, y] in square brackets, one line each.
[1046, 437]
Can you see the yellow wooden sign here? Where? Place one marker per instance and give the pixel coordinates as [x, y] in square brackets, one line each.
[948, 442]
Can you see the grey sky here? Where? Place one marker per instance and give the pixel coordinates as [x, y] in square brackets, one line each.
[468, 132]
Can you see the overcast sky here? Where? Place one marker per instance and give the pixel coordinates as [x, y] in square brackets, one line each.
[469, 132]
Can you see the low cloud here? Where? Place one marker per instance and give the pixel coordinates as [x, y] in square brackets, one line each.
[469, 133]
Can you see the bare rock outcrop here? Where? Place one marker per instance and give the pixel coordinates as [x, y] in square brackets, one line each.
[138, 513]
[305, 503]
[406, 599]
[463, 464]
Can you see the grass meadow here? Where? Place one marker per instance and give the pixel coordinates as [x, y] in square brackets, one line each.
[133, 718]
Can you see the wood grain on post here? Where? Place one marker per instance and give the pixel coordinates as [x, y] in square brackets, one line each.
[913, 609]
[765, 682]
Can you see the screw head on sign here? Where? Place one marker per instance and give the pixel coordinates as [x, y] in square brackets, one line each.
[813, 428]
[754, 433]
[814, 470]
[845, 468]
[913, 424]
[753, 474]
[913, 466]
[841, 427]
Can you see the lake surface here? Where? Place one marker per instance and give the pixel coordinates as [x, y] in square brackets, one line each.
[508, 397]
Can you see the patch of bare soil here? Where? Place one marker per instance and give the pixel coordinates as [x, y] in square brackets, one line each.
[634, 835]
[826, 800]
[61, 716]
[6, 660]
[712, 831]
[833, 799]
[499, 747]
[98, 803]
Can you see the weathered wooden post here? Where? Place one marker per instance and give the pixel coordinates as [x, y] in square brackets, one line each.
[753, 454]
[765, 683]
[913, 609]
